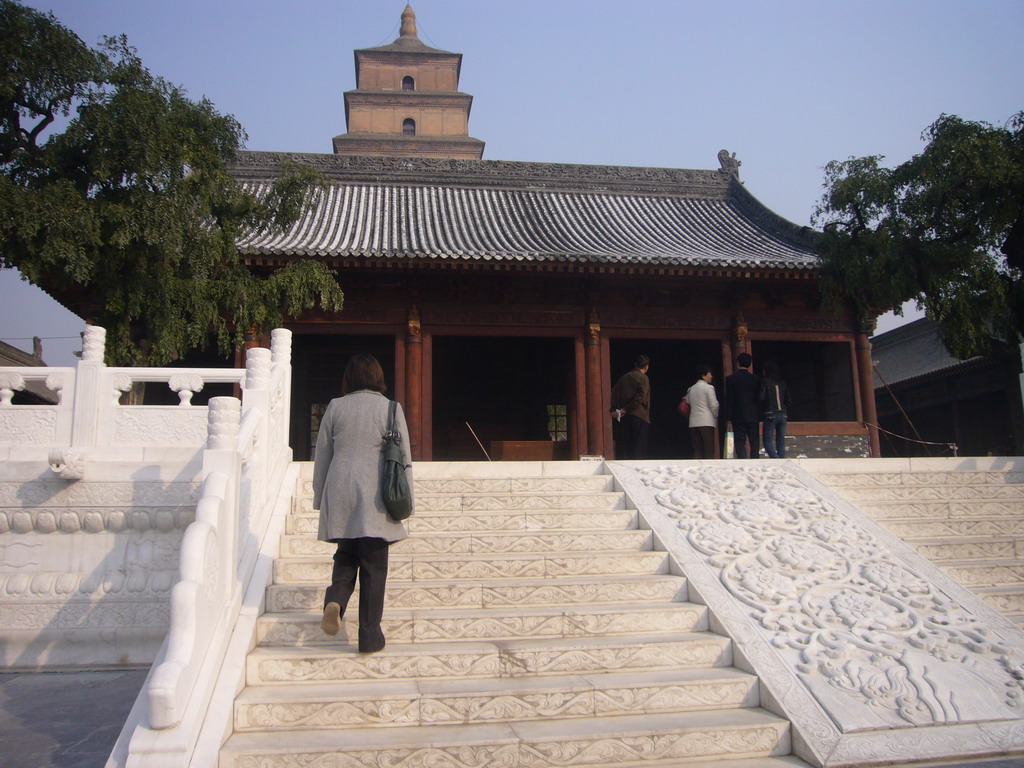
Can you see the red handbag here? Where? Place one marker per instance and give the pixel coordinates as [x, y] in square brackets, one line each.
[684, 407]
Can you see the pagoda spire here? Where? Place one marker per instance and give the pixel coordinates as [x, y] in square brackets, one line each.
[407, 101]
[408, 28]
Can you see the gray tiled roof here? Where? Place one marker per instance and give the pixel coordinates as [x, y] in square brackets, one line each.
[406, 208]
[910, 352]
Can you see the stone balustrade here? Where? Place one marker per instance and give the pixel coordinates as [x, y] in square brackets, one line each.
[124, 527]
[89, 413]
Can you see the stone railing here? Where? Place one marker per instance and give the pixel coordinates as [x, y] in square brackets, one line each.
[236, 451]
[245, 458]
[88, 413]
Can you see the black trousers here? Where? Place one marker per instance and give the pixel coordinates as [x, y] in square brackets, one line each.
[635, 436]
[368, 558]
[742, 433]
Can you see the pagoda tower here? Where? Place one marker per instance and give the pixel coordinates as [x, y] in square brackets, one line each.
[407, 102]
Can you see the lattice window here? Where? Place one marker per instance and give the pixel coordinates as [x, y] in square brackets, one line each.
[558, 423]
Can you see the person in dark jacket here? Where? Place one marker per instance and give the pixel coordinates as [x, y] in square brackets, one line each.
[347, 491]
[631, 403]
[741, 407]
[773, 395]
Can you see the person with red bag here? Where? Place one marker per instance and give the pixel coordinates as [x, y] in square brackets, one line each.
[703, 404]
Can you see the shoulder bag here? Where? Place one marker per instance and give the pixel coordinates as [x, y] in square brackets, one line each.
[394, 485]
[684, 406]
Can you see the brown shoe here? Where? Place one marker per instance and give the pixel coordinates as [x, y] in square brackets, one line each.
[331, 622]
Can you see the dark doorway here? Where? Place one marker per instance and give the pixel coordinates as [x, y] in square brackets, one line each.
[673, 364]
[317, 365]
[506, 388]
[819, 376]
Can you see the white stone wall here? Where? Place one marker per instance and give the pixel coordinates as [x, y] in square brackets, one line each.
[86, 566]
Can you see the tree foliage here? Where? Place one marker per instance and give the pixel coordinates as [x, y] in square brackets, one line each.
[115, 197]
[945, 228]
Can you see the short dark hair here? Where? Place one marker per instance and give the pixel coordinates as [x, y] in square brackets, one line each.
[642, 361]
[363, 372]
[771, 371]
[743, 359]
[703, 369]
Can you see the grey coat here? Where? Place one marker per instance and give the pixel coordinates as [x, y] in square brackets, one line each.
[348, 466]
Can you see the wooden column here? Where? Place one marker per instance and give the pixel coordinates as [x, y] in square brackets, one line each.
[739, 337]
[414, 382]
[865, 371]
[595, 404]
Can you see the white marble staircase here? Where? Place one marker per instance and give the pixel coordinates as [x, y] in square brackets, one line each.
[969, 522]
[529, 623]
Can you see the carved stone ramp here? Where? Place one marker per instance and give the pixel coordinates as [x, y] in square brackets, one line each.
[530, 622]
[965, 515]
[874, 654]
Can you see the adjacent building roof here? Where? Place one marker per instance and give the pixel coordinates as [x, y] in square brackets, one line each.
[912, 351]
[485, 210]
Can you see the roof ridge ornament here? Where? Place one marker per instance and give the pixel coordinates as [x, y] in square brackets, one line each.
[730, 165]
[408, 28]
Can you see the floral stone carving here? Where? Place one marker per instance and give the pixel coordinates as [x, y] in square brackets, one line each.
[879, 642]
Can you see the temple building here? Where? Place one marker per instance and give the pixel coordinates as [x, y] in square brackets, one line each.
[504, 298]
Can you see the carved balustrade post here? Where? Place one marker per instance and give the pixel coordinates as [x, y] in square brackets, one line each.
[257, 396]
[90, 408]
[281, 355]
[221, 456]
[281, 345]
[413, 405]
[257, 368]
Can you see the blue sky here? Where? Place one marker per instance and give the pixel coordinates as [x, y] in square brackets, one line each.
[787, 85]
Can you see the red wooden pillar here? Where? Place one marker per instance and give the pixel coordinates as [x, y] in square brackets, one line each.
[252, 338]
[595, 403]
[739, 338]
[865, 371]
[414, 382]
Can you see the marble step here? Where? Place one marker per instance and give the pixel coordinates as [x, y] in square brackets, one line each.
[954, 548]
[496, 593]
[443, 702]
[494, 520]
[480, 502]
[992, 492]
[987, 573]
[499, 484]
[937, 527]
[523, 566]
[505, 659]
[455, 625]
[653, 739]
[1007, 599]
[952, 510]
[787, 761]
[486, 542]
[957, 477]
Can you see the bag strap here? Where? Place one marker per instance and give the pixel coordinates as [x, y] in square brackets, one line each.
[391, 434]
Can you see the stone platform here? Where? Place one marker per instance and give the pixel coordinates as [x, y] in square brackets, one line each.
[628, 614]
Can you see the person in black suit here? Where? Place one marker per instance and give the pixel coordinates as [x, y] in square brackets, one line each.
[741, 407]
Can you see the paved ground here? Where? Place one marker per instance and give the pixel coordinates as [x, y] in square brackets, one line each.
[72, 719]
[64, 719]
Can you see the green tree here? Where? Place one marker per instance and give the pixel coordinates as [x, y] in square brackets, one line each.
[945, 228]
[115, 197]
